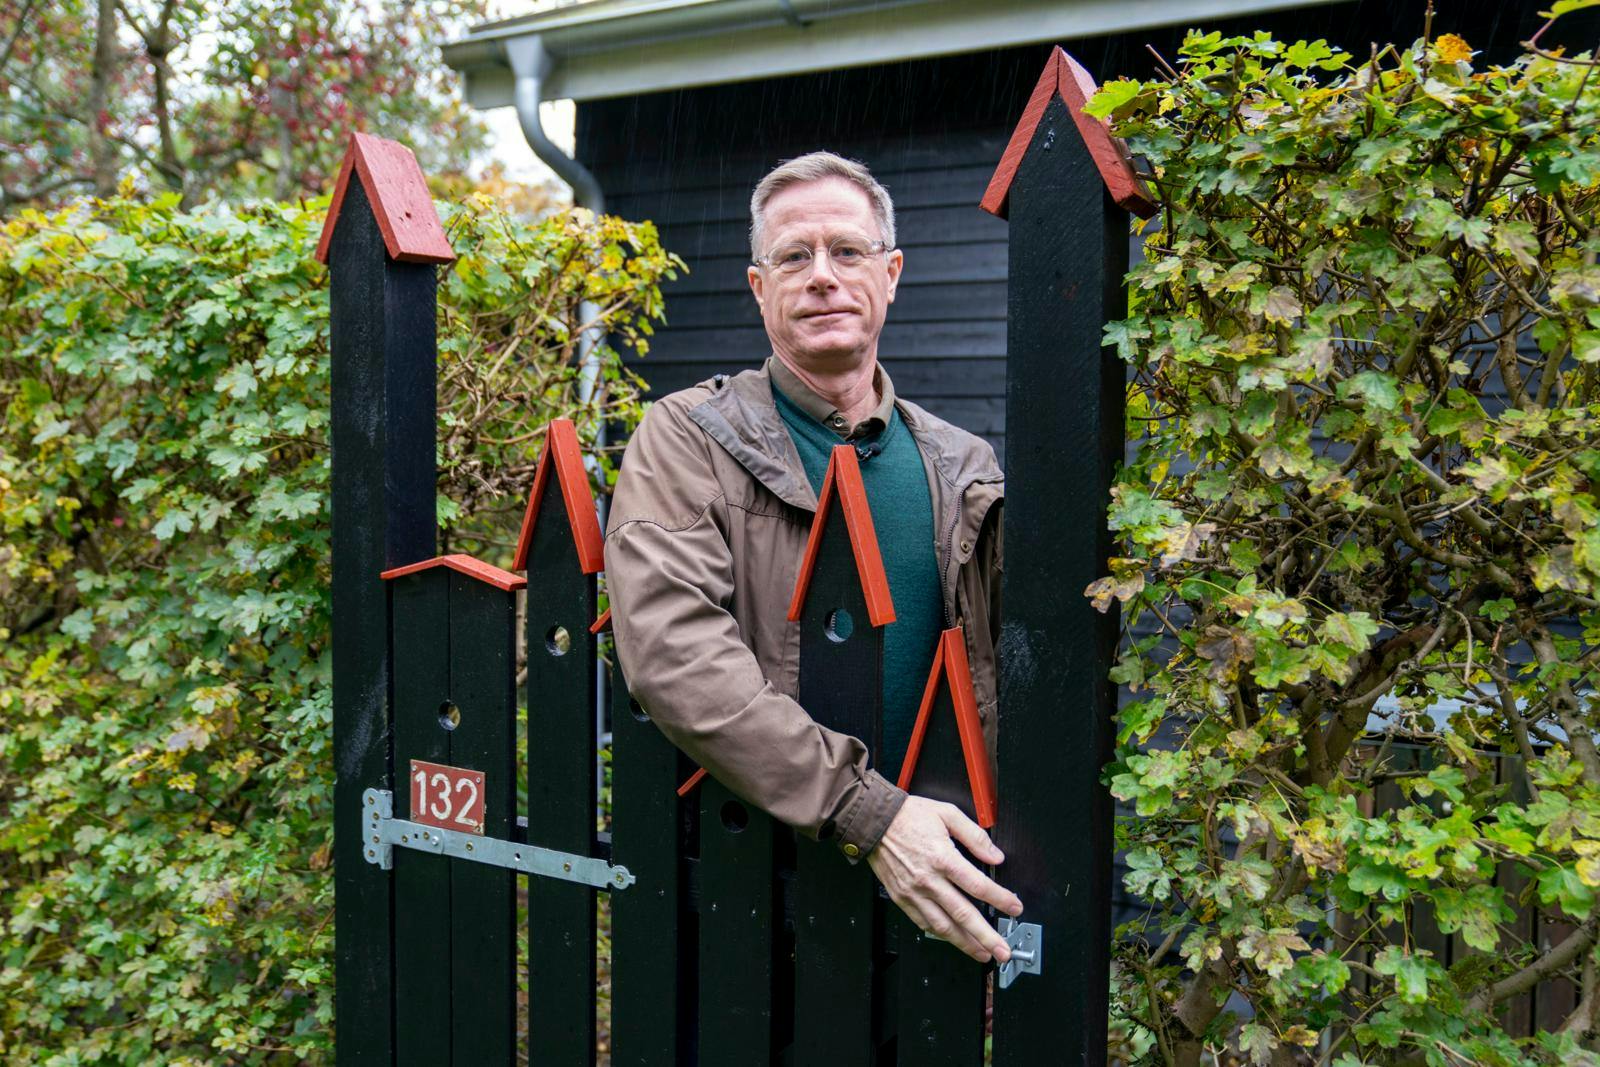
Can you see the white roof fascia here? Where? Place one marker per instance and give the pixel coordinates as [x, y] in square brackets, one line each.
[619, 49]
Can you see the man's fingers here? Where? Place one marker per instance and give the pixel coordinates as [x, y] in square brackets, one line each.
[975, 883]
[971, 922]
[971, 835]
[923, 907]
[913, 912]
[945, 927]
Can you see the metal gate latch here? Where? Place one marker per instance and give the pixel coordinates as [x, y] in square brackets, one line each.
[381, 832]
[1026, 941]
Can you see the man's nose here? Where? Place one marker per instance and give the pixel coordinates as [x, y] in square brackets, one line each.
[822, 276]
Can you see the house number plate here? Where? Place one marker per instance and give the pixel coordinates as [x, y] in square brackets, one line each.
[450, 798]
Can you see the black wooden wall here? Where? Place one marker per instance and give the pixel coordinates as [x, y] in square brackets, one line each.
[932, 132]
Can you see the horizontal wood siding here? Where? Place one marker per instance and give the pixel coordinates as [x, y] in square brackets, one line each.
[932, 132]
[688, 160]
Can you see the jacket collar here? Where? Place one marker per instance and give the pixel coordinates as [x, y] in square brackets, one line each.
[807, 400]
[742, 417]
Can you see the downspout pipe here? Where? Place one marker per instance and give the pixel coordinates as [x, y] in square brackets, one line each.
[530, 64]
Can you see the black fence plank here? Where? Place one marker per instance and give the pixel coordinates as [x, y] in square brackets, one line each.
[737, 914]
[420, 610]
[483, 906]
[1064, 424]
[940, 1002]
[648, 942]
[941, 989]
[841, 685]
[561, 788]
[381, 330]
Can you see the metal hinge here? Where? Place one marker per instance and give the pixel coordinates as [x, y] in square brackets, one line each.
[1026, 941]
[382, 832]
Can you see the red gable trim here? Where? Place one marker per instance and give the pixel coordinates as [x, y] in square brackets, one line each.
[399, 197]
[564, 456]
[843, 483]
[958, 672]
[1064, 77]
[472, 568]
[919, 729]
[950, 665]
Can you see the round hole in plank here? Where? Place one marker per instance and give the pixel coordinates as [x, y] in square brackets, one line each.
[735, 816]
[449, 715]
[839, 626]
[638, 711]
[557, 641]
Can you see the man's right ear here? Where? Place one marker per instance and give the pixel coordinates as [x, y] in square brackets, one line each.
[758, 283]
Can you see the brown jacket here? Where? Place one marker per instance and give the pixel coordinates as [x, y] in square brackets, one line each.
[707, 527]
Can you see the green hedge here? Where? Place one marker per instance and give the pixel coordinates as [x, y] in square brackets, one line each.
[165, 771]
[1365, 334]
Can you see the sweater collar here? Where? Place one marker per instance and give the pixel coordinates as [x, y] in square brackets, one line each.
[809, 401]
[742, 416]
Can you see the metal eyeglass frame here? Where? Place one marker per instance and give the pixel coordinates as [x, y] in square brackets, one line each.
[875, 248]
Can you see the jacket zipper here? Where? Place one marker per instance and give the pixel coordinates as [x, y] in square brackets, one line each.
[949, 554]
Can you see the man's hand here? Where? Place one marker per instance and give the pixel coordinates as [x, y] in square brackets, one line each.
[920, 866]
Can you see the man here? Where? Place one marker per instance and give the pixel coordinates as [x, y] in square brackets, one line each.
[708, 525]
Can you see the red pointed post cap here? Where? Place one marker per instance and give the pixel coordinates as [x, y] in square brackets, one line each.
[842, 487]
[951, 668]
[562, 458]
[400, 200]
[1065, 77]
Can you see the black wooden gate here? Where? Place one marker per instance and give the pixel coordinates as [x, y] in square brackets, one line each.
[734, 941]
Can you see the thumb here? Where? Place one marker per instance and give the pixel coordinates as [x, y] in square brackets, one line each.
[971, 835]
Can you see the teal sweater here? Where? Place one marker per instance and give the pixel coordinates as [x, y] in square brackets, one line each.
[902, 514]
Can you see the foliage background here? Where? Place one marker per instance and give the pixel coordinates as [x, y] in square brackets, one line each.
[252, 98]
[165, 774]
[1366, 337]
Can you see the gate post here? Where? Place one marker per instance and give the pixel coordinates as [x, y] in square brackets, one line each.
[562, 550]
[1066, 185]
[380, 241]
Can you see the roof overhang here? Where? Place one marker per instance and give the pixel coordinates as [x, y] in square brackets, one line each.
[611, 48]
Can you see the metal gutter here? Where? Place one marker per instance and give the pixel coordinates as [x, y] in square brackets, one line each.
[620, 47]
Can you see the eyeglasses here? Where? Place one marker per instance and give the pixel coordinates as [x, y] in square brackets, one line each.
[847, 254]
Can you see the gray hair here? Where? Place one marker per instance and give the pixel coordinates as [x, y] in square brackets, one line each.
[812, 167]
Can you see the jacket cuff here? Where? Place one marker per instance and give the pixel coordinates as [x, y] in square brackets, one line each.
[863, 823]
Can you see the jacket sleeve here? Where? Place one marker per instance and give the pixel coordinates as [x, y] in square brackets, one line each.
[669, 573]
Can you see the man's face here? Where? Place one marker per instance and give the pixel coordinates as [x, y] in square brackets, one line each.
[825, 316]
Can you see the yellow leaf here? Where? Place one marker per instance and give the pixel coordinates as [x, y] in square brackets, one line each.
[1452, 48]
